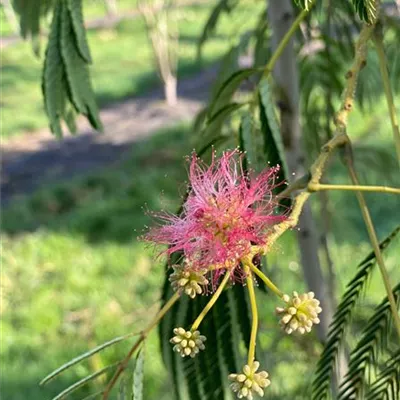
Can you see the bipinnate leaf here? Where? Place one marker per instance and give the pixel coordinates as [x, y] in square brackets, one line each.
[364, 357]
[84, 381]
[321, 386]
[82, 357]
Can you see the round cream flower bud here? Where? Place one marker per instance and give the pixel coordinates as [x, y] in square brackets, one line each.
[188, 343]
[250, 381]
[186, 280]
[300, 313]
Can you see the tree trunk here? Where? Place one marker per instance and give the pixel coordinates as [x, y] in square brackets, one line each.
[111, 7]
[280, 16]
[170, 90]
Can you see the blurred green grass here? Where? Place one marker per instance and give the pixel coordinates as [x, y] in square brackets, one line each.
[123, 51]
[74, 274]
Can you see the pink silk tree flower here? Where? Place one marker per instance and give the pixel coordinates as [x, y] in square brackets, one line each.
[227, 211]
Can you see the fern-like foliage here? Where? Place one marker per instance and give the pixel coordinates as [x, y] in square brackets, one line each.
[387, 384]
[364, 358]
[326, 363]
[66, 82]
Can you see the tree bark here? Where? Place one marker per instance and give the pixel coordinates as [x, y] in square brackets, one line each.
[280, 16]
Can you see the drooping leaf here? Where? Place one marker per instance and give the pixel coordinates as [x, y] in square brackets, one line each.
[53, 80]
[214, 124]
[80, 88]
[30, 13]
[82, 357]
[325, 367]
[223, 6]
[228, 88]
[75, 9]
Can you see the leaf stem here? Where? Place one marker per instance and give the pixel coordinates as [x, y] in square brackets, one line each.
[378, 40]
[373, 239]
[143, 335]
[316, 187]
[212, 301]
[254, 324]
[265, 279]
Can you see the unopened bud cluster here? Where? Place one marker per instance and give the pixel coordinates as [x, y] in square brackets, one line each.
[190, 282]
[300, 312]
[188, 343]
[249, 382]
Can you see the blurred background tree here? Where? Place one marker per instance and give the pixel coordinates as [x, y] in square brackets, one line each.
[74, 274]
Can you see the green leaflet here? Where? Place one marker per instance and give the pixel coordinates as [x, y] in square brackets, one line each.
[65, 81]
[53, 79]
[324, 372]
[80, 89]
[138, 373]
[228, 88]
[75, 9]
[214, 124]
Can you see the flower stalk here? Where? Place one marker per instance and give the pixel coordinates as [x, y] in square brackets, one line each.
[317, 187]
[254, 313]
[266, 280]
[212, 301]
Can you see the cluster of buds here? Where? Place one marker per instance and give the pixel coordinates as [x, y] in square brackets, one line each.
[250, 381]
[224, 224]
[188, 343]
[188, 281]
[300, 312]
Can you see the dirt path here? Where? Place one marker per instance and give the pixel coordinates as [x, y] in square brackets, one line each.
[36, 159]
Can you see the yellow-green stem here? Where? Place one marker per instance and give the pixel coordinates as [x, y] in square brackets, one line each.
[316, 187]
[254, 325]
[375, 244]
[266, 280]
[167, 306]
[212, 301]
[378, 40]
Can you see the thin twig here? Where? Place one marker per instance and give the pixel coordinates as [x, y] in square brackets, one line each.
[373, 237]
[317, 187]
[378, 40]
